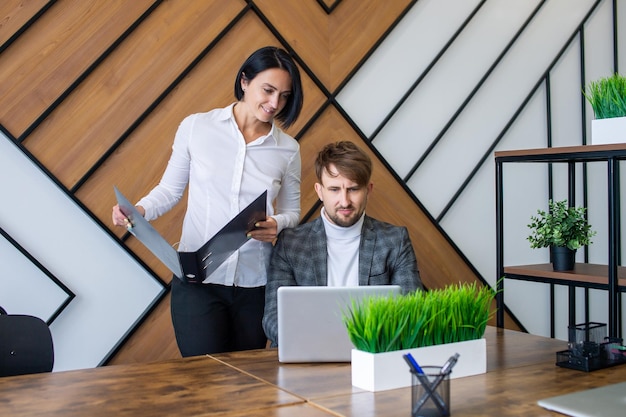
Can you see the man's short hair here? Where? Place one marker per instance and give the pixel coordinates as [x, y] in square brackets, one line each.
[349, 160]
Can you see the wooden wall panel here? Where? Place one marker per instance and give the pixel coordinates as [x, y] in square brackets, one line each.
[55, 51]
[117, 126]
[304, 24]
[158, 330]
[14, 14]
[333, 44]
[126, 84]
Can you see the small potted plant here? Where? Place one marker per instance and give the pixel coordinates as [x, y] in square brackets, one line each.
[563, 229]
[432, 325]
[607, 97]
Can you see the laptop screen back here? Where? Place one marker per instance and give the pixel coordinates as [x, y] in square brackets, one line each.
[310, 325]
[607, 401]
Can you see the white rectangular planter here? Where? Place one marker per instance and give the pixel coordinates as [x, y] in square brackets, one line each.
[389, 370]
[606, 131]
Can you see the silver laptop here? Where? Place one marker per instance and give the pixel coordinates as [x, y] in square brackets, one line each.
[310, 325]
[607, 401]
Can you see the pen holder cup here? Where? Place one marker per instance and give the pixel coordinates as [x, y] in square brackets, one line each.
[430, 393]
[584, 339]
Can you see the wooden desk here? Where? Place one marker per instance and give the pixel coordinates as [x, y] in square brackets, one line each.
[505, 349]
[197, 386]
[520, 371]
[511, 392]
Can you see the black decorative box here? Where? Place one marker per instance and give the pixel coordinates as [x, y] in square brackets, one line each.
[590, 349]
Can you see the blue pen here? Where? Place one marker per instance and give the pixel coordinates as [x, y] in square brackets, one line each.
[413, 363]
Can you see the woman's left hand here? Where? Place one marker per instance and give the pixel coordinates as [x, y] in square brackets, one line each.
[265, 231]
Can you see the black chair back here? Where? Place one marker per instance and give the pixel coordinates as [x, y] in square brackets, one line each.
[25, 345]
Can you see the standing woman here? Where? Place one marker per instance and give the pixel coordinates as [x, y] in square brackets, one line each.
[228, 156]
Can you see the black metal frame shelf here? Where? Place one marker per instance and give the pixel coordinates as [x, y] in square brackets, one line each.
[609, 277]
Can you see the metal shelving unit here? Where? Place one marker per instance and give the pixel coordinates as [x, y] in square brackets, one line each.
[610, 277]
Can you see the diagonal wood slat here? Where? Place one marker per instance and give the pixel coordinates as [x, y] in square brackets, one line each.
[124, 86]
[14, 14]
[37, 68]
[332, 45]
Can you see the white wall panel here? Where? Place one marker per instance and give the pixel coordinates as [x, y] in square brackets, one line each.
[566, 98]
[495, 104]
[112, 289]
[621, 35]
[442, 92]
[26, 288]
[599, 42]
[410, 48]
[471, 221]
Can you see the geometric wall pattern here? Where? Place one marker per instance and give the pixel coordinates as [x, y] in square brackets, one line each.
[36, 283]
[92, 93]
[65, 270]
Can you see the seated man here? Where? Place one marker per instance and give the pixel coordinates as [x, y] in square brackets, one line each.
[343, 247]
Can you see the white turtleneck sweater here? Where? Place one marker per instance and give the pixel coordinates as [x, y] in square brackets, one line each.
[342, 245]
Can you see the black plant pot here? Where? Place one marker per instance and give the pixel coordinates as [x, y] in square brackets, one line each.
[563, 258]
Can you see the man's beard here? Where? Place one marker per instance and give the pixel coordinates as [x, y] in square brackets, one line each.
[345, 222]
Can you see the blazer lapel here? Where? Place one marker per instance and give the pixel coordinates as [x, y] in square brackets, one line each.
[318, 253]
[366, 251]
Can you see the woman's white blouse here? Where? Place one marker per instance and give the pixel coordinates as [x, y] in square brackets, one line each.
[224, 175]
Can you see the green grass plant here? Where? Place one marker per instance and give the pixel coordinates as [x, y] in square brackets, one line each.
[422, 318]
[607, 96]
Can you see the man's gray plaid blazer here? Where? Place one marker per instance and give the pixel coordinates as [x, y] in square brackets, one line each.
[386, 257]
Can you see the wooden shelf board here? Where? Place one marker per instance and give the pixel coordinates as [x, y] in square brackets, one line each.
[561, 150]
[583, 273]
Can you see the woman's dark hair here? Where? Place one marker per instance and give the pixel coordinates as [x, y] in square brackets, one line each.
[273, 57]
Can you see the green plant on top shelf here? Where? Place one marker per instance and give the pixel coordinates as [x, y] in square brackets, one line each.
[560, 226]
[422, 318]
[607, 96]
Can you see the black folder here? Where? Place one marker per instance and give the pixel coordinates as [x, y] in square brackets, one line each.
[195, 267]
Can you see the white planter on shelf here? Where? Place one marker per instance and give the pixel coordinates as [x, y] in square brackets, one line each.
[607, 131]
[389, 370]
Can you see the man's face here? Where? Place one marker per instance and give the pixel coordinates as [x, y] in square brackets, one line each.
[344, 200]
